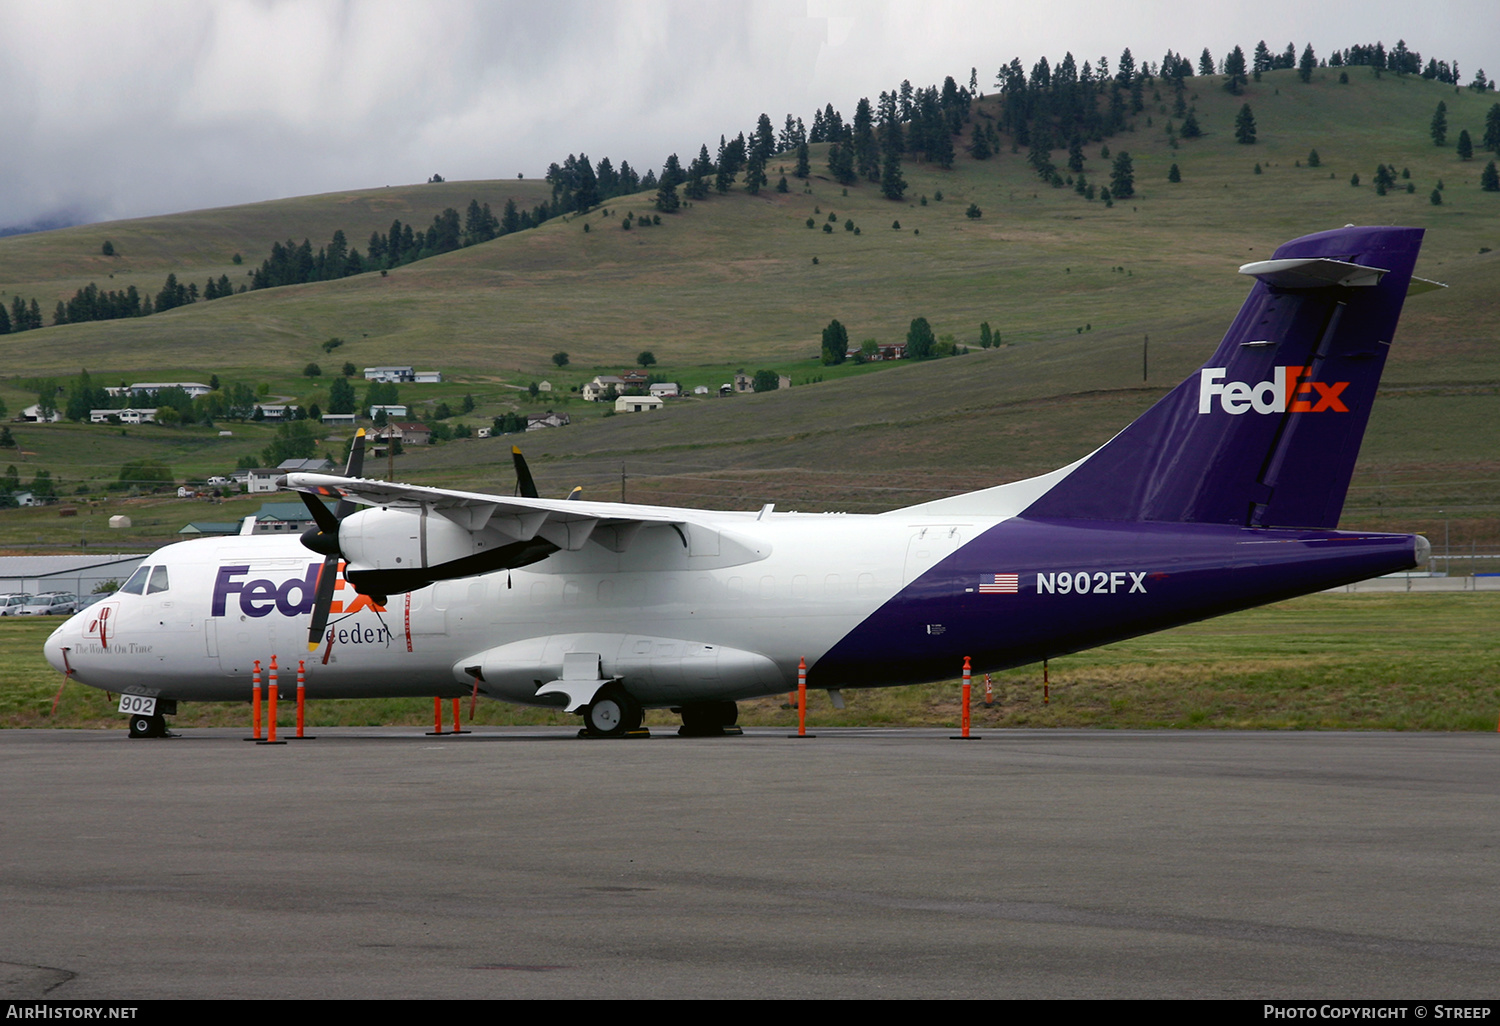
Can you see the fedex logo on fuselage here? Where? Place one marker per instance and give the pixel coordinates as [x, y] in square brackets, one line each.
[1290, 389]
[292, 597]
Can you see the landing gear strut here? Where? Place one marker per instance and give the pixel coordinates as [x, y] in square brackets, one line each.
[613, 713]
[709, 719]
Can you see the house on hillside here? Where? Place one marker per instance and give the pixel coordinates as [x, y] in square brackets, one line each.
[264, 479]
[895, 351]
[390, 375]
[311, 465]
[595, 390]
[403, 375]
[193, 388]
[541, 421]
[665, 390]
[129, 415]
[407, 432]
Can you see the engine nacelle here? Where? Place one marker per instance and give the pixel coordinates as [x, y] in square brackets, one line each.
[383, 538]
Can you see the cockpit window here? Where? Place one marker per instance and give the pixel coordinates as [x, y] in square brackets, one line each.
[158, 581]
[137, 583]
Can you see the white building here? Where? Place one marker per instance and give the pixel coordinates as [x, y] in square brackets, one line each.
[594, 390]
[390, 375]
[129, 415]
[665, 390]
[33, 413]
[193, 388]
[389, 411]
[638, 404]
[264, 479]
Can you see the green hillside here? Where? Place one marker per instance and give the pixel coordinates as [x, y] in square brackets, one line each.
[1071, 286]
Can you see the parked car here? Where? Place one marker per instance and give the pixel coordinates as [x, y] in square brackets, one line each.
[55, 603]
[10, 604]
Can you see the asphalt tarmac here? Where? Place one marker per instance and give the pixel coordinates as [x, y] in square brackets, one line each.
[864, 863]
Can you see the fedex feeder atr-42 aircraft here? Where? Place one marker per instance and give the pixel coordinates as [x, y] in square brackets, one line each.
[1224, 495]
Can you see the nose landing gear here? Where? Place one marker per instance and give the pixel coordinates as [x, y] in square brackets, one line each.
[154, 725]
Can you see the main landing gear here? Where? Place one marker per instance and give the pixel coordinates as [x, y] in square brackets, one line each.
[613, 713]
[709, 719]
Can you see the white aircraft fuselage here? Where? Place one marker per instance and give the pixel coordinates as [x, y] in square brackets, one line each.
[1224, 495]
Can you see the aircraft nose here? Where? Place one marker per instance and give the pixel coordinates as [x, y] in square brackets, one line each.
[61, 641]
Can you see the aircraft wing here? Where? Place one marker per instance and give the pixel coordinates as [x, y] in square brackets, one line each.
[567, 523]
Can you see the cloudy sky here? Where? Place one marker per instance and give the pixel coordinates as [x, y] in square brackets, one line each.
[117, 108]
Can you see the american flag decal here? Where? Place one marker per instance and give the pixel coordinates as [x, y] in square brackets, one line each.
[999, 584]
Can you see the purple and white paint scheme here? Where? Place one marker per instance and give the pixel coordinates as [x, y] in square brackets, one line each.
[1224, 495]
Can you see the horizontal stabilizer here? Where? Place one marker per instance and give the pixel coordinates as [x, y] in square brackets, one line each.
[1314, 273]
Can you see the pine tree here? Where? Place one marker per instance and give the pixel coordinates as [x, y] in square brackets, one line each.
[1122, 177]
[755, 174]
[1465, 146]
[892, 185]
[1439, 128]
[920, 341]
[1307, 64]
[1313, 160]
[1492, 129]
[1174, 175]
[1489, 179]
[1244, 126]
[835, 343]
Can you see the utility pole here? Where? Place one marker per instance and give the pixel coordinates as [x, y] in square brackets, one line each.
[622, 480]
[1145, 349]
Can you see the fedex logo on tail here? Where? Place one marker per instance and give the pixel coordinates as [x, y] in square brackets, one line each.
[1290, 389]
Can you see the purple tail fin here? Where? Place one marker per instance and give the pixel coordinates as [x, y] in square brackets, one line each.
[1266, 433]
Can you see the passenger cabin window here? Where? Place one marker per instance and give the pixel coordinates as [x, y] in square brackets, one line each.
[137, 583]
[158, 581]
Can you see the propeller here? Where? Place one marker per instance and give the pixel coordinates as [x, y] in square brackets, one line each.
[526, 484]
[323, 538]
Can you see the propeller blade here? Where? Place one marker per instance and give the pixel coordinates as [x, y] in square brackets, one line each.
[356, 464]
[327, 522]
[524, 483]
[324, 539]
[327, 578]
[354, 468]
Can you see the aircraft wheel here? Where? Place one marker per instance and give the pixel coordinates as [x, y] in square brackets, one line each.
[148, 726]
[613, 713]
[709, 717]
